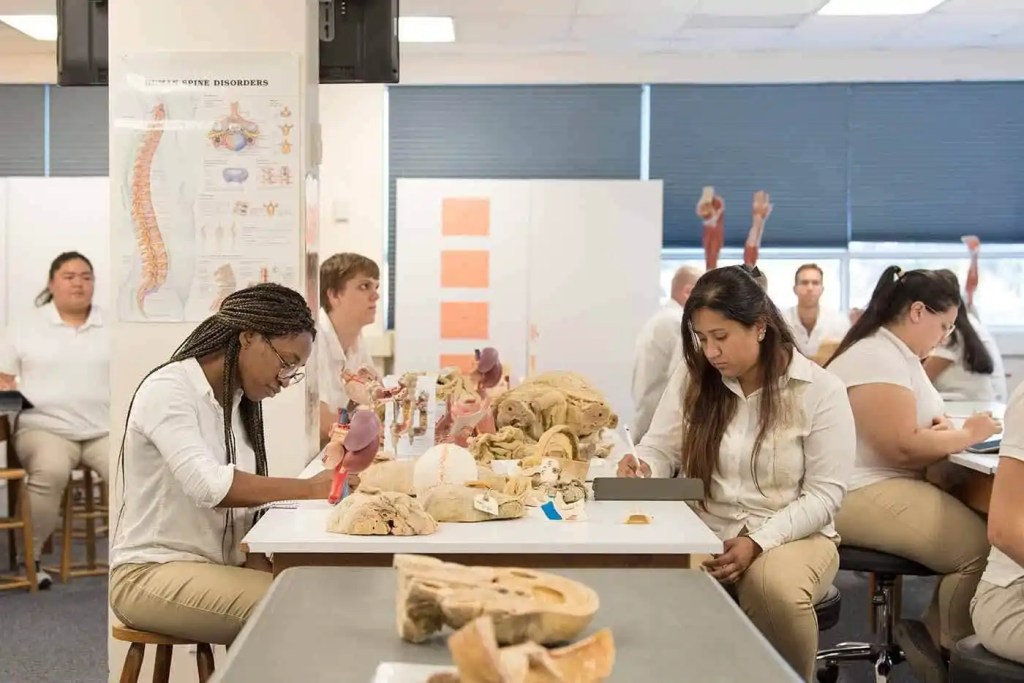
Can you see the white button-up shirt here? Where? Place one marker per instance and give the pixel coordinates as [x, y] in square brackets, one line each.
[63, 370]
[802, 469]
[830, 326]
[176, 472]
[659, 351]
[971, 386]
[1001, 569]
[332, 360]
[883, 358]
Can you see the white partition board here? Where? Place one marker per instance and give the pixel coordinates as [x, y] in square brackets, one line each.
[573, 264]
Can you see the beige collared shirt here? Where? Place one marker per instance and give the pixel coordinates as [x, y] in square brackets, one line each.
[332, 360]
[176, 472]
[830, 326]
[1001, 569]
[883, 358]
[63, 370]
[802, 469]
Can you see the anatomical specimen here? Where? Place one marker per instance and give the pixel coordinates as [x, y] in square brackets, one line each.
[152, 250]
[372, 512]
[472, 502]
[973, 244]
[762, 208]
[525, 605]
[353, 446]
[711, 210]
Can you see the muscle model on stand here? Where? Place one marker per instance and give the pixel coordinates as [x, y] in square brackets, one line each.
[711, 209]
[353, 446]
[762, 208]
[973, 244]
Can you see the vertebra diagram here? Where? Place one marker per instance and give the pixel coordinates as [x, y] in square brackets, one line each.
[147, 230]
[234, 132]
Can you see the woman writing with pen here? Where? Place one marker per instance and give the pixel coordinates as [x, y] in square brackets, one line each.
[772, 437]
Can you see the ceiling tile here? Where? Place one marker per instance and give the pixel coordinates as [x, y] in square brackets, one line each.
[751, 8]
[485, 7]
[981, 7]
[605, 7]
[948, 29]
[732, 39]
[849, 31]
[509, 29]
[626, 27]
[726, 21]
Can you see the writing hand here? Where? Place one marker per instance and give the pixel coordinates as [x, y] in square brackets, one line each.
[632, 467]
[729, 566]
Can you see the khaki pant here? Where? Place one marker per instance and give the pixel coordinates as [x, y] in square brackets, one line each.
[208, 603]
[778, 593]
[923, 523]
[49, 459]
[998, 615]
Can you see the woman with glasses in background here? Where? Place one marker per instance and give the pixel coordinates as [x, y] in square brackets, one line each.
[901, 432]
[193, 463]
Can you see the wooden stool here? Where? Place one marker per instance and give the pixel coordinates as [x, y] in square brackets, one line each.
[21, 521]
[92, 510]
[164, 647]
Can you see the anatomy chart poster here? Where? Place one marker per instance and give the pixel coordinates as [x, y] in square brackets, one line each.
[206, 157]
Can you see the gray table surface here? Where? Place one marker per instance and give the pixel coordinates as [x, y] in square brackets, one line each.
[336, 624]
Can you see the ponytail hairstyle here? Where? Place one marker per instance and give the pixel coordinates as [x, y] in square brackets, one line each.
[708, 405]
[977, 359]
[269, 309]
[894, 293]
[46, 296]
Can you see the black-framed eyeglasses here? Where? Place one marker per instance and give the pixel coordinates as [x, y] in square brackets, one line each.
[948, 328]
[289, 371]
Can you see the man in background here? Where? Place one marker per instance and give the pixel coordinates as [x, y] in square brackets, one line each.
[349, 285]
[659, 349]
[817, 330]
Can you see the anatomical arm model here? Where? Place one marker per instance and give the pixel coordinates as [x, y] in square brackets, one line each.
[973, 247]
[711, 209]
[762, 209]
[353, 446]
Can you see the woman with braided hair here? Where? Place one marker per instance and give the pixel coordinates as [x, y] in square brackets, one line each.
[193, 462]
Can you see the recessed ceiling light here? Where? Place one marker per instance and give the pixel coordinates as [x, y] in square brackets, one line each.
[878, 8]
[426, 30]
[38, 26]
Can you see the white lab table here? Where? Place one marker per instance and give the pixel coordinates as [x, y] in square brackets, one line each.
[958, 411]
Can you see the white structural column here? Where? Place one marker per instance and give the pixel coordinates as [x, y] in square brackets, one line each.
[214, 146]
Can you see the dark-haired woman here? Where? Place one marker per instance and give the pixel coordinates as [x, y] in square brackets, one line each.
[968, 364]
[901, 431]
[60, 360]
[771, 435]
[193, 460]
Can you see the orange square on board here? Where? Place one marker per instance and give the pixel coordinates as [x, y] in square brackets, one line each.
[464, 320]
[465, 362]
[466, 216]
[467, 269]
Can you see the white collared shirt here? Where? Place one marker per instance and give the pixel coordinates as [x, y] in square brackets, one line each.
[883, 358]
[830, 326]
[659, 350]
[176, 472]
[802, 468]
[1001, 569]
[332, 360]
[63, 370]
[971, 386]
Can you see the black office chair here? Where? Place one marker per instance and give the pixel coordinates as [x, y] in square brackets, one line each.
[829, 608]
[970, 662]
[884, 652]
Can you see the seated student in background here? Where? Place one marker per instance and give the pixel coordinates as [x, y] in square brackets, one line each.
[815, 328]
[998, 607]
[193, 461]
[61, 358]
[901, 430]
[659, 349]
[771, 435]
[967, 364]
[349, 291]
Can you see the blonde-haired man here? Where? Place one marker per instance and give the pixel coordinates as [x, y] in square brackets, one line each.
[349, 291]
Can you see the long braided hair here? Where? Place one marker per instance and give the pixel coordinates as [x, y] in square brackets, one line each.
[268, 309]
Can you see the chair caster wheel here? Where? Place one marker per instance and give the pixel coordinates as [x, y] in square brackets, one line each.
[829, 674]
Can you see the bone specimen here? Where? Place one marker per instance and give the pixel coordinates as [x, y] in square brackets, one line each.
[371, 512]
[234, 132]
[224, 277]
[443, 464]
[711, 210]
[762, 208]
[524, 604]
[152, 250]
[478, 659]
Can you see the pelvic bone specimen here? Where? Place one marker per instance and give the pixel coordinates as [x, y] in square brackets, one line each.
[524, 605]
[371, 512]
[475, 651]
